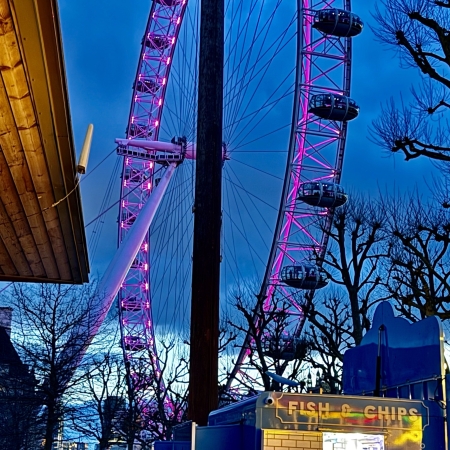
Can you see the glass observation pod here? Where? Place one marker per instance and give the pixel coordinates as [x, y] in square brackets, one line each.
[304, 277]
[338, 22]
[333, 107]
[130, 304]
[134, 343]
[148, 86]
[158, 42]
[284, 348]
[324, 194]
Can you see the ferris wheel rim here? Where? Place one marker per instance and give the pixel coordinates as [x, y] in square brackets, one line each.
[268, 283]
[165, 34]
[154, 4]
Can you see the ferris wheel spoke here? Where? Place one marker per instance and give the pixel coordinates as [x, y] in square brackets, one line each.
[233, 72]
[253, 250]
[239, 228]
[169, 239]
[234, 98]
[247, 143]
[250, 194]
[185, 87]
[255, 122]
[269, 102]
[240, 108]
[185, 114]
[250, 198]
[257, 168]
[98, 226]
[258, 33]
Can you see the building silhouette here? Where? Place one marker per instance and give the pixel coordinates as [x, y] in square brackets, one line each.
[19, 403]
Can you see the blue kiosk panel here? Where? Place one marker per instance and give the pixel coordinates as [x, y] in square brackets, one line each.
[403, 360]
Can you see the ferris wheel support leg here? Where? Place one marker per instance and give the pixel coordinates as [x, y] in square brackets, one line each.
[115, 273]
[126, 253]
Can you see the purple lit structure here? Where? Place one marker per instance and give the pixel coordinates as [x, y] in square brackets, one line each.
[138, 182]
[311, 190]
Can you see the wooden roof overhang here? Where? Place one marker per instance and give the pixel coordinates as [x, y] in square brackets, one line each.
[38, 242]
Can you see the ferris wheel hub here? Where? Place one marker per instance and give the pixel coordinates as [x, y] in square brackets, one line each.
[177, 149]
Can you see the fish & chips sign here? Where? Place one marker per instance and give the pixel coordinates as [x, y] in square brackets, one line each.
[348, 411]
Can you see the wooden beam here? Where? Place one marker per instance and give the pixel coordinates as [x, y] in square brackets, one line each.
[15, 218]
[41, 45]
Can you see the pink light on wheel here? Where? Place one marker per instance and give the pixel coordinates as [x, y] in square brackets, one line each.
[138, 185]
[316, 153]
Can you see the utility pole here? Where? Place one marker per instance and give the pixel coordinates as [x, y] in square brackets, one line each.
[203, 383]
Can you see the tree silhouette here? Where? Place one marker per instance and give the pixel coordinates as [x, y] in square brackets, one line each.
[418, 270]
[274, 347]
[419, 30]
[356, 248]
[48, 320]
[98, 402]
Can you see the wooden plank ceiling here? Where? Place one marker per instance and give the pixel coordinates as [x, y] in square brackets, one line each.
[38, 242]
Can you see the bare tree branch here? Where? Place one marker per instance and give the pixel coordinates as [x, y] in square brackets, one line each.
[273, 346]
[420, 32]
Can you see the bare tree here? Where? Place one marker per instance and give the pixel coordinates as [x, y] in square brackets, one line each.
[418, 270]
[396, 249]
[330, 333]
[154, 401]
[131, 403]
[99, 401]
[47, 321]
[353, 257]
[169, 405]
[273, 344]
[356, 238]
[357, 246]
[420, 32]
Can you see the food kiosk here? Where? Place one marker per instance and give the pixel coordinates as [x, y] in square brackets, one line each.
[287, 421]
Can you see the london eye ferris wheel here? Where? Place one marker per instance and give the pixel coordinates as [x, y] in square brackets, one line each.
[287, 103]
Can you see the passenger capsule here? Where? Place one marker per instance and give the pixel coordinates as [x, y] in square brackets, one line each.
[283, 348]
[338, 22]
[134, 343]
[157, 42]
[130, 304]
[304, 277]
[148, 86]
[128, 217]
[320, 193]
[333, 107]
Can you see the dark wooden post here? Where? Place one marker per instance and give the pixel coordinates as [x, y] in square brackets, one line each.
[203, 388]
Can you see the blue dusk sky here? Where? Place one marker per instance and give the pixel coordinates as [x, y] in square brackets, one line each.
[101, 46]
